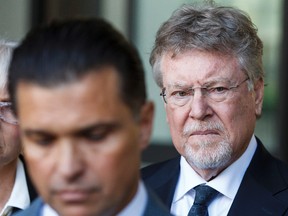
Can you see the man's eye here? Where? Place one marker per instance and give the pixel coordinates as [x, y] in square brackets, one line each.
[99, 133]
[219, 89]
[180, 94]
[96, 136]
[43, 141]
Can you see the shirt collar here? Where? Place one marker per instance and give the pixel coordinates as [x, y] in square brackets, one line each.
[227, 182]
[19, 197]
[135, 207]
[138, 204]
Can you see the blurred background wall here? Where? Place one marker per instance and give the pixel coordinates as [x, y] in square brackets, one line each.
[139, 20]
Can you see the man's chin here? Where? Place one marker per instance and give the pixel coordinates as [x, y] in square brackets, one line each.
[208, 155]
[75, 209]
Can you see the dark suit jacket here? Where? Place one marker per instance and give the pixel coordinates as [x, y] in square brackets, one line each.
[153, 208]
[263, 190]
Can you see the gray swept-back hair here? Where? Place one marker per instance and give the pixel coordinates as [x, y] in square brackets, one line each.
[210, 28]
[6, 49]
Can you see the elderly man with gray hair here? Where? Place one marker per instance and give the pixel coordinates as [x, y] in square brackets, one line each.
[16, 191]
[207, 61]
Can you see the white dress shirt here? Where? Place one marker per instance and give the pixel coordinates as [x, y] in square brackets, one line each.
[19, 197]
[227, 183]
[136, 207]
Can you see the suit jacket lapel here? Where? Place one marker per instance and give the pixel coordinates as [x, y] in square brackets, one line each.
[253, 199]
[261, 182]
[164, 182]
[166, 191]
[155, 206]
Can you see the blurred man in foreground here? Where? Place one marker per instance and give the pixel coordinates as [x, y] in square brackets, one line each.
[80, 97]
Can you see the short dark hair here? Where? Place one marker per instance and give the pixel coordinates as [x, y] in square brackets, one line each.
[64, 51]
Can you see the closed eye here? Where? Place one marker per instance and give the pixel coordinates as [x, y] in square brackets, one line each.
[39, 138]
[98, 133]
[95, 136]
[44, 141]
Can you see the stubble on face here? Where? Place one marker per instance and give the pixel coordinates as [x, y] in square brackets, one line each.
[210, 152]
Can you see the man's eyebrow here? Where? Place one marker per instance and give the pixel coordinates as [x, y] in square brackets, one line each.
[37, 132]
[182, 85]
[215, 82]
[99, 126]
[219, 81]
[177, 85]
[79, 131]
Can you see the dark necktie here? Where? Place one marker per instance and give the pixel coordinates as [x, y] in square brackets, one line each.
[204, 195]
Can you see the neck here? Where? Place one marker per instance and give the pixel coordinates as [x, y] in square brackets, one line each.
[209, 174]
[7, 179]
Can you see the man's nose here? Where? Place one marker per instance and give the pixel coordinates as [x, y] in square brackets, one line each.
[71, 161]
[199, 105]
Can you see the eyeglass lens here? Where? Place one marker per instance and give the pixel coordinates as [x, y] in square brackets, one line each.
[6, 113]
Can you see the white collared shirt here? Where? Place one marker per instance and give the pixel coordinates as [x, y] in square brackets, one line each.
[227, 183]
[19, 197]
[138, 204]
[136, 207]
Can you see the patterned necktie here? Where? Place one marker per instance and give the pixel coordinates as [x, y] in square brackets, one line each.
[7, 211]
[204, 195]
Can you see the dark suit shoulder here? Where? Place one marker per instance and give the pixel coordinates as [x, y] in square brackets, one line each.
[264, 187]
[161, 170]
[282, 168]
[269, 170]
[281, 186]
[162, 178]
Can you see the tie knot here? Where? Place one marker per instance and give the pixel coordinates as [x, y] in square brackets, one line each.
[204, 195]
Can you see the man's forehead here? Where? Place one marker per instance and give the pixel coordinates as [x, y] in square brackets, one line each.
[199, 68]
[71, 105]
[207, 82]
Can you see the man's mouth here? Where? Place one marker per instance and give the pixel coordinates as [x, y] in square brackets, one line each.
[75, 195]
[205, 132]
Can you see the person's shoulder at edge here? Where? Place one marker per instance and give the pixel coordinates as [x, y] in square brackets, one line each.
[32, 210]
[269, 161]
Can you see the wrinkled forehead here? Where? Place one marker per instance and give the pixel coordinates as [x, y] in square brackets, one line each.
[183, 84]
[198, 67]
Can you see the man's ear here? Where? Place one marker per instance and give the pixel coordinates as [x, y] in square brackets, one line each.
[259, 95]
[146, 124]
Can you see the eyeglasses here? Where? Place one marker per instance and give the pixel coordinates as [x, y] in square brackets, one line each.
[6, 113]
[181, 97]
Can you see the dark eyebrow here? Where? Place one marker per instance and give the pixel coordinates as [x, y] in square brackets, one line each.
[78, 132]
[32, 132]
[107, 126]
